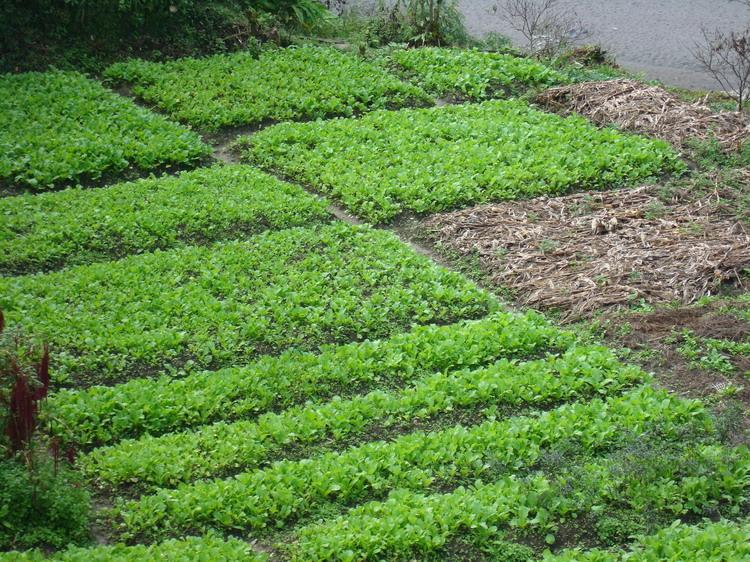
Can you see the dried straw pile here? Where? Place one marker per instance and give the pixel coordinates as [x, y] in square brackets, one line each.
[637, 107]
[583, 252]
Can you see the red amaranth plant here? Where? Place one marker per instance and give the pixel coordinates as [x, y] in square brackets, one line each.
[25, 382]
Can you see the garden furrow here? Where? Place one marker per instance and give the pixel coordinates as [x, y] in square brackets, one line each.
[220, 449]
[290, 489]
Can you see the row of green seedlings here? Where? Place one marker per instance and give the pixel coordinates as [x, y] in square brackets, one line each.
[58, 128]
[210, 548]
[428, 160]
[104, 415]
[470, 74]
[223, 448]
[208, 307]
[49, 231]
[288, 490]
[723, 540]
[703, 479]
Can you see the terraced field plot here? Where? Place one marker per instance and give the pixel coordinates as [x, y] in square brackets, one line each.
[472, 75]
[280, 84]
[295, 388]
[109, 414]
[73, 227]
[448, 439]
[58, 128]
[428, 160]
[219, 305]
[389, 474]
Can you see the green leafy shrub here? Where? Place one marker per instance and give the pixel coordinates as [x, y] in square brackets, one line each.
[281, 84]
[428, 160]
[416, 22]
[44, 504]
[58, 128]
[208, 548]
[87, 35]
[108, 414]
[472, 74]
[52, 230]
[209, 307]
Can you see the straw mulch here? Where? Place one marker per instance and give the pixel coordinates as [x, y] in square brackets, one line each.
[588, 251]
[641, 108]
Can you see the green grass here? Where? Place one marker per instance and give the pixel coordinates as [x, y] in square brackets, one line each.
[429, 160]
[472, 74]
[60, 128]
[73, 227]
[221, 305]
[281, 84]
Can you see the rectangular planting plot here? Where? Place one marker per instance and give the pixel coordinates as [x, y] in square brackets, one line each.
[60, 128]
[427, 160]
[280, 84]
[220, 305]
[72, 227]
[472, 75]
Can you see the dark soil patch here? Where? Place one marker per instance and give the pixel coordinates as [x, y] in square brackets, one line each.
[653, 338]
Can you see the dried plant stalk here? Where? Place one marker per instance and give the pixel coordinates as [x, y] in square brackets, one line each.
[588, 251]
[637, 107]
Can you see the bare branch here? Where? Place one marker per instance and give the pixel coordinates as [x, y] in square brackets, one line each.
[726, 57]
[547, 29]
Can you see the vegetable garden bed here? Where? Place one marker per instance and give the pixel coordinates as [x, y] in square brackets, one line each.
[216, 306]
[296, 83]
[461, 74]
[430, 160]
[60, 128]
[73, 227]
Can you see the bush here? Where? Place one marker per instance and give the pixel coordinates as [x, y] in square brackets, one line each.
[81, 34]
[42, 504]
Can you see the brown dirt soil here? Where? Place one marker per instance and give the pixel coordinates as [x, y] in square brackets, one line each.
[638, 107]
[585, 252]
[652, 331]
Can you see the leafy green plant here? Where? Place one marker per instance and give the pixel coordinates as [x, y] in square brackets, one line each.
[728, 541]
[42, 503]
[207, 547]
[427, 160]
[53, 230]
[298, 83]
[108, 414]
[270, 497]
[215, 306]
[58, 128]
[472, 74]
[409, 523]
[222, 448]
